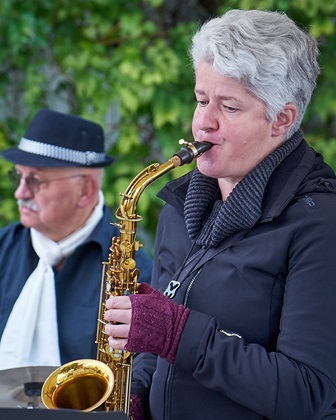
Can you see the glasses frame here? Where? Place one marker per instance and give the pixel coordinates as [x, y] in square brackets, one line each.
[33, 184]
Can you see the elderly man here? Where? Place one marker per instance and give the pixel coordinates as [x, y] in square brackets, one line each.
[50, 262]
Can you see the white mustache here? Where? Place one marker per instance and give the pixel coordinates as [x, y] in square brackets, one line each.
[30, 204]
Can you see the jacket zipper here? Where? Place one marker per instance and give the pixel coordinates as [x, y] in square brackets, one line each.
[171, 367]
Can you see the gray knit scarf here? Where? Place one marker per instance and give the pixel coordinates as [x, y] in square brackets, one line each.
[209, 220]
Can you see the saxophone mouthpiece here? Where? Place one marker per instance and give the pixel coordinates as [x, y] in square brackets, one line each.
[191, 151]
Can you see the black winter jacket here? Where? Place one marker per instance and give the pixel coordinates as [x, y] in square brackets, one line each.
[260, 341]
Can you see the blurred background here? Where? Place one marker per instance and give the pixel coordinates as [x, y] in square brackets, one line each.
[125, 65]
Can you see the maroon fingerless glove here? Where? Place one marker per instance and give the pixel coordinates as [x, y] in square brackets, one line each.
[136, 408]
[157, 323]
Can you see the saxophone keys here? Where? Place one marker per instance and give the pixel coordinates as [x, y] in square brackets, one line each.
[125, 247]
[129, 264]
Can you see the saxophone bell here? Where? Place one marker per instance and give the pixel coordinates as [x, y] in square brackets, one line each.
[83, 384]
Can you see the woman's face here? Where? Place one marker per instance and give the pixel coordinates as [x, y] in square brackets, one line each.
[234, 121]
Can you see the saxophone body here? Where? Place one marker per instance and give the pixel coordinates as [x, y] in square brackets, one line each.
[105, 383]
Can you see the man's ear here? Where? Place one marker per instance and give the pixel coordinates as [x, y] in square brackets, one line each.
[284, 120]
[87, 190]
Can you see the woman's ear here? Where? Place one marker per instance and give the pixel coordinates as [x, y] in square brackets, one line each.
[284, 120]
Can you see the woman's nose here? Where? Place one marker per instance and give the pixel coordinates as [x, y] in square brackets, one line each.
[207, 119]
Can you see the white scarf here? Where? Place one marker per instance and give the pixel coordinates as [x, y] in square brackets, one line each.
[30, 337]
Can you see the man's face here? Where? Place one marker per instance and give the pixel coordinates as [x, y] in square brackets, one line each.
[48, 199]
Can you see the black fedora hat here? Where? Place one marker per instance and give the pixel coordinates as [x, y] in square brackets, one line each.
[56, 139]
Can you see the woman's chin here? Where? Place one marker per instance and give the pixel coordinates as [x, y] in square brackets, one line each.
[206, 167]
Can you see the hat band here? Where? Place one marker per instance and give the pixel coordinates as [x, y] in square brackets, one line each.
[61, 153]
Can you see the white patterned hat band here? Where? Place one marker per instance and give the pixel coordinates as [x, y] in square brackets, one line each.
[55, 139]
[62, 153]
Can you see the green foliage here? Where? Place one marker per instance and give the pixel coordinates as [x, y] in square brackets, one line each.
[125, 65]
[8, 208]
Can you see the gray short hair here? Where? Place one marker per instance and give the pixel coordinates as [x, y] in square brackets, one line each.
[267, 52]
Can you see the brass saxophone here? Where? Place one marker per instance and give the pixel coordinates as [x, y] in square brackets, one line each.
[105, 383]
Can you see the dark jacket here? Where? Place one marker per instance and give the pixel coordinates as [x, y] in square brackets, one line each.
[260, 341]
[78, 283]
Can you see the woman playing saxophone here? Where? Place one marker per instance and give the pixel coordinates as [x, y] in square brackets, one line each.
[239, 322]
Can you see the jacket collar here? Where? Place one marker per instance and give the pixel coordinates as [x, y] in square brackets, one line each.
[101, 234]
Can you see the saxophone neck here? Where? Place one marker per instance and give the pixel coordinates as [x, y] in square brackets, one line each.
[187, 154]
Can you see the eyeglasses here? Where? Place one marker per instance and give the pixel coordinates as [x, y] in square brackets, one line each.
[32, 183]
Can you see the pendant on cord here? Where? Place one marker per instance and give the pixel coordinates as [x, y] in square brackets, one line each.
[172, 288]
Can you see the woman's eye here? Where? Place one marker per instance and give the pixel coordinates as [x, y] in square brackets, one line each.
[230, 108]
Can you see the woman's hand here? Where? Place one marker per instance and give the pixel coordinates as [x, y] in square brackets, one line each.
[119, 315]
[146, 321]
